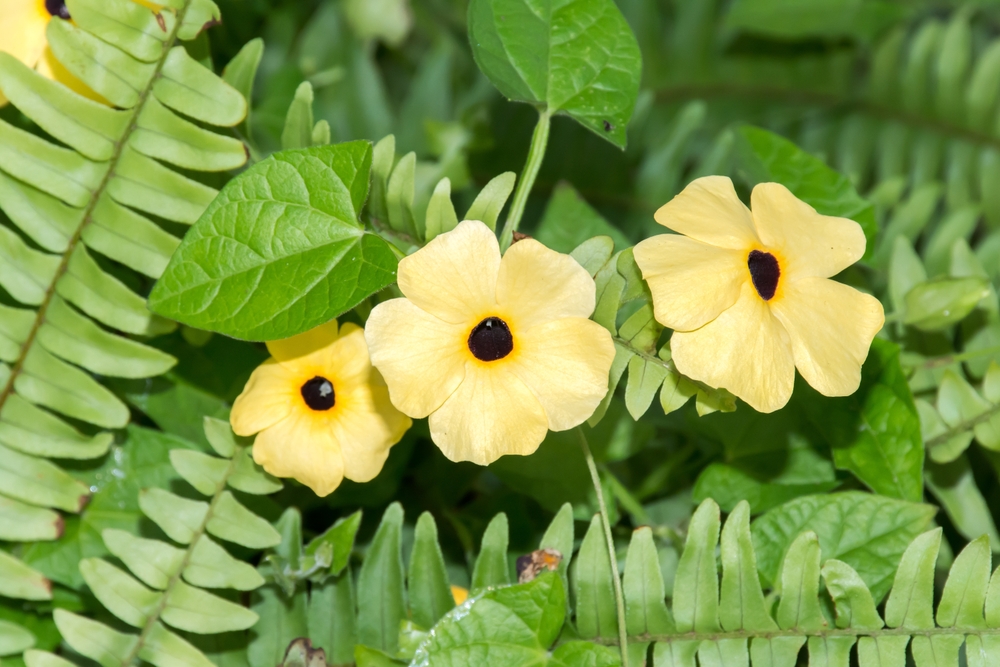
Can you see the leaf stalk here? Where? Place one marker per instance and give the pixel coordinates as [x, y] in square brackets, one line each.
[536, 153]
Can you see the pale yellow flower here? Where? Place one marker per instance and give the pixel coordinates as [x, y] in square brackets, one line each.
[748, 294]
[22, 34]
[496, 351]
[319, 409]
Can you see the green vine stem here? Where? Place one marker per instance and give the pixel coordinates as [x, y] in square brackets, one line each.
[536, 153]
[606, 523]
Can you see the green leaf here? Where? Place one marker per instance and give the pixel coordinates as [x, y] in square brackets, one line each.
[335, 545]
[910, 604]
[427, 581]
[299, 121]
[866, 531]
[645, 609]
[559, 536]
[491, 199]
[964, 594]
[441, 216]
[741, 606]
[799, 605]
[194, 610]
[767, 157]
[875, 433]
[578, 57]
[593, 253]
[282, 619]
[696, 584]
[122, 595]
[296, 255]
[20, 582]
[645, 377]
[241, 71]
[94, 640]
[851, 597]
[939, 303]
[593, 586]
[955, 488]
[332, 617]
[515, 625]
[491, 567]
[570, 221]
[40, 482]
[381, 598]
[235, 523]
[820, 18]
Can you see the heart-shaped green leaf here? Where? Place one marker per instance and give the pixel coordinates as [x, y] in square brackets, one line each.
[575, 56]
[280, 250]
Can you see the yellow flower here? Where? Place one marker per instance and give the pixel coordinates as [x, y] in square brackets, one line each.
[459, 594]
[22, 34]
[319, 409]
[748, 294]
[496, 351]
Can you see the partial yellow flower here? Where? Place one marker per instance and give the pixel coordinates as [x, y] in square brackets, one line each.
[748, 294]
[496, 351]
[459, 594]
[319, 409]
[22, 34]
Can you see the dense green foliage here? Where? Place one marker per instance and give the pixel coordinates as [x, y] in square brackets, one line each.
[268, 173]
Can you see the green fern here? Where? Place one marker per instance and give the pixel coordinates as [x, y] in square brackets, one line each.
[88, 197]
[167, 588]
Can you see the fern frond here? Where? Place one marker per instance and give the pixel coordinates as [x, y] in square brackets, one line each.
[88, 188]
[164, 585]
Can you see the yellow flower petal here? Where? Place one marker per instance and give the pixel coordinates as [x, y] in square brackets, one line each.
[810, 244]
[22, 29]
[569, 385]
[269, 396]
[708, 210]
[831, 327]
[744, 350]
[302, 447]
[537, 285]
[367, 426]
[691, 282]
[421, 357]
[308, 344]
[454, 277]
[348, 356]
[492, 413]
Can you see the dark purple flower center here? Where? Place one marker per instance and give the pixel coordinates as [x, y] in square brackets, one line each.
[491, 340]
[57, 8]
[318, 394]
[764, 271]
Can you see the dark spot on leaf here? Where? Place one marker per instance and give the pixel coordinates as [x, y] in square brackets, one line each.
[160, 21]
[608, 126]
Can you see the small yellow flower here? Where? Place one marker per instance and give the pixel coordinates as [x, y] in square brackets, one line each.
[748, 294]
[319, 409]
[496, 351]
[459, 594]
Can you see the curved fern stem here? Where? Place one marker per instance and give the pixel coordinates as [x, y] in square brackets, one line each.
[86, 219]
[963, 426]
[612, 558]
[154, 616]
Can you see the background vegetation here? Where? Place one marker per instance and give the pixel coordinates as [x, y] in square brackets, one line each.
[883, 111]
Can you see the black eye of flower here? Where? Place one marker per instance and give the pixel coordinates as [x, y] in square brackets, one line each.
[491, 340]
[318, 394]
[764, 271]
[57, 8]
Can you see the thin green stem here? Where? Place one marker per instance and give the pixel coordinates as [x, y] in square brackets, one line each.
[606, 523]
[963, 426]
[536, 153]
